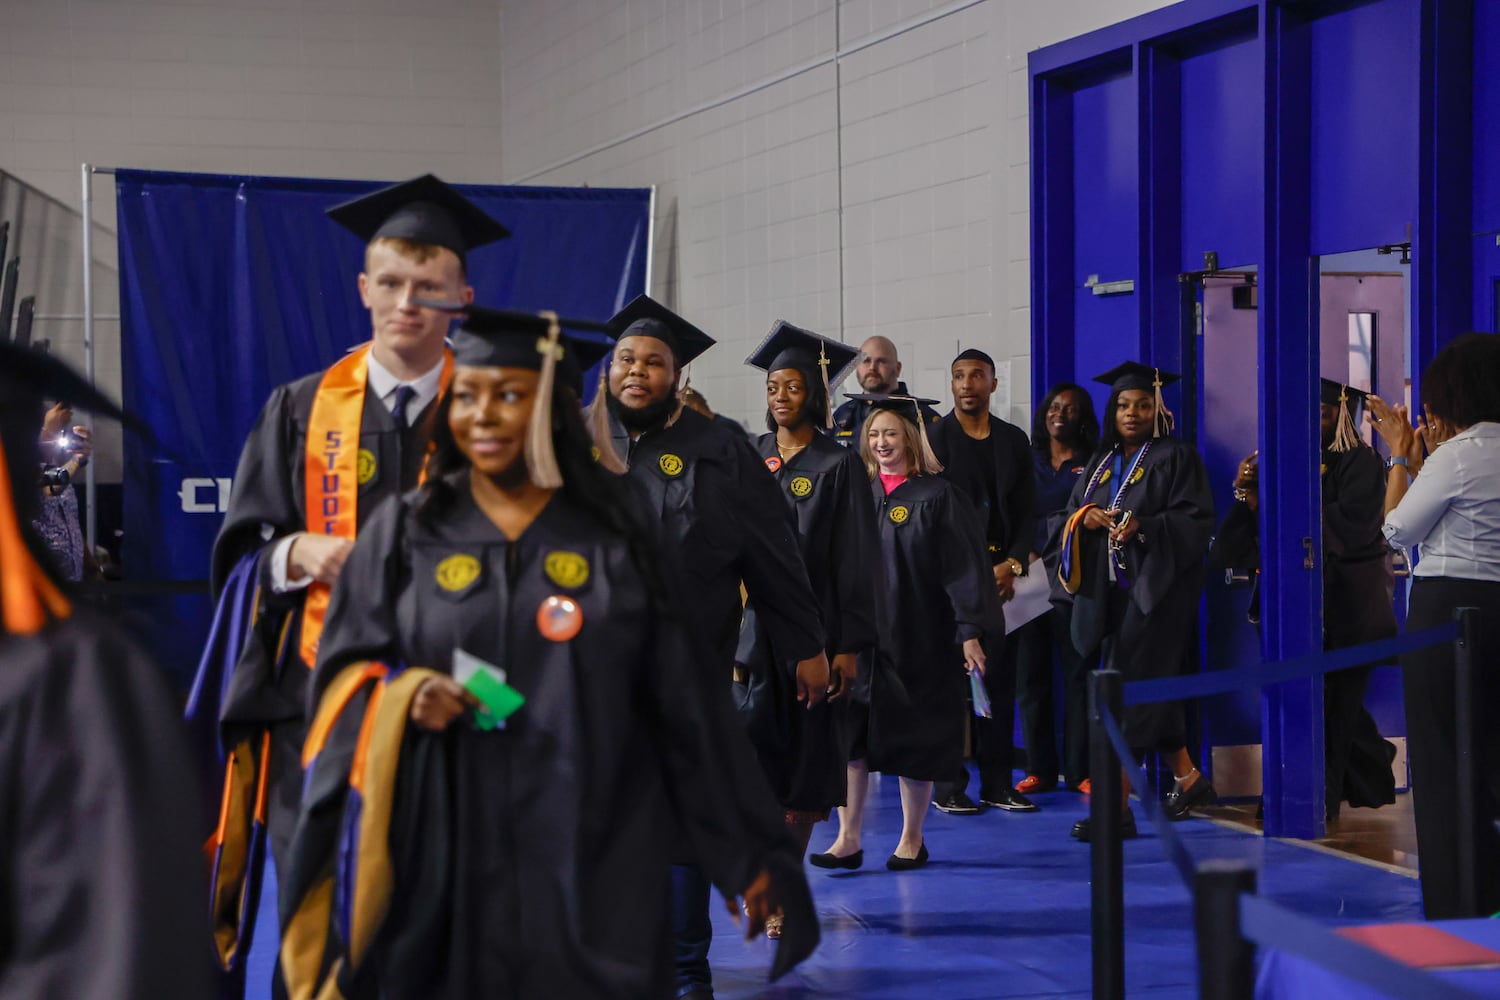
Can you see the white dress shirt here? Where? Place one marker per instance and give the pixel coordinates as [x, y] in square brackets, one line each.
[380, 381]
[1452, 509]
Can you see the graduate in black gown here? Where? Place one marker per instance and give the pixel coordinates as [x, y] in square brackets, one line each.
[1139, 524]
[825, 485]
[1358, 587]
[365, 423]
[101, 880]
[938, 602]
[723, 523]
[527, 852]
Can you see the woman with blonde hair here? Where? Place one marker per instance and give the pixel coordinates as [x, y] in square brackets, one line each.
[938, 603]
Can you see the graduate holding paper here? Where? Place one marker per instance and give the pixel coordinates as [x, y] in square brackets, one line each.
[938, 604]
[511, 831]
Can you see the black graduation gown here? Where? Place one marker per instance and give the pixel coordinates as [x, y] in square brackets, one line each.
[722, 522]
[1145, 631]
[936, 589]
[269, 684]
[803, 750]
[101, 879]
[1358, 588]
[1357, 608]
[543, 870]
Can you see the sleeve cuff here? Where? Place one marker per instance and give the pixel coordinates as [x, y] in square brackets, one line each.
[280, 556]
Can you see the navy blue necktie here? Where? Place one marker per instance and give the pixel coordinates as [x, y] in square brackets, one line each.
[404, 395]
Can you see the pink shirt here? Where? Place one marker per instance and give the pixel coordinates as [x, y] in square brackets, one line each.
[891, 482]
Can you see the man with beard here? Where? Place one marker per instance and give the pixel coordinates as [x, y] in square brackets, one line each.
[879, 373]
[722, 522]
[990, 461]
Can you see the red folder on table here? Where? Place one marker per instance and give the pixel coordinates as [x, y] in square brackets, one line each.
[1422, 946]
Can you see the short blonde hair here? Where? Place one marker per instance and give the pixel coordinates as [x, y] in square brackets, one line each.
[421, 253]
[911, 442]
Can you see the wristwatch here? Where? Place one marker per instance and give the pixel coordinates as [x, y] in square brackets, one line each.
[1016, 566]
[1401, 460]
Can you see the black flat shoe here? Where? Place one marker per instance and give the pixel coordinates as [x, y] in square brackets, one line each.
[851, 861]
[896, 864]
[1200, 793]
[1127, 827]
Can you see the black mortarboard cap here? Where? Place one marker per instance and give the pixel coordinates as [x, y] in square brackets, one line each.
[643, 316]
[504, 338]
[1331, 393]
[788, 346]
[1346, 398]
[1133, 375]
[909, 407]
[424, 210]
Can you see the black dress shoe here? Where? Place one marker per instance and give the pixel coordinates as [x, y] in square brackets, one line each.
[956, 804]
[1199, 793]
[849, 861]
[896, 864]
[1008, 799]
[1127, 827]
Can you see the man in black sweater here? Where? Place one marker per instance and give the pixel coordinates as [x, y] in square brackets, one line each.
[990, 461]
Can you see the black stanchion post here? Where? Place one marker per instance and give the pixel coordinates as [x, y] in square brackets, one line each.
[1106, 860]
[1465, 696]
[1226, 961]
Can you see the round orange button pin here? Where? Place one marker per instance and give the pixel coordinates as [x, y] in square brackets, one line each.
[559, 618]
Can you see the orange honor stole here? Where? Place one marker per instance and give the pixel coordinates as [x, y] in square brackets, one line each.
[331, 468]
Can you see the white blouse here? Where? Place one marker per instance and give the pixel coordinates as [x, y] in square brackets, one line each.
[1452, 509]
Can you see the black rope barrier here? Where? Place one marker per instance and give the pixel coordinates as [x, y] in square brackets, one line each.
[1229, 919]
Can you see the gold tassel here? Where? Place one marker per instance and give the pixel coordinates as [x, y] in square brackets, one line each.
[541, 457]
[1164, 420]
[828, 391]
[600, 430]
[931, 465]
[1346, 438]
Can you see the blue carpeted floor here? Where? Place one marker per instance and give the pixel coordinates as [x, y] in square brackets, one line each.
[1003, 909]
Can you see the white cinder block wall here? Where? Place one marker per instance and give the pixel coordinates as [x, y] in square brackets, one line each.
[317, 88]
[882, 191]
[813, 162]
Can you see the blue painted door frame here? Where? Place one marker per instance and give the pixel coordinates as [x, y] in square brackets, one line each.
[1291, 43]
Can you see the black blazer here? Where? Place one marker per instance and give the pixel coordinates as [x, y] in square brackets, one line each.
[1011, 537]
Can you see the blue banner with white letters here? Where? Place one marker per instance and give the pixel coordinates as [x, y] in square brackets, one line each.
[231, 285]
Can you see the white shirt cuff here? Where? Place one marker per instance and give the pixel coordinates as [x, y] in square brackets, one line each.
[280, 555]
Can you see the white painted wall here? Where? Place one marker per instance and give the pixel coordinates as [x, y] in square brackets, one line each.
[813, 162]
[318, 88]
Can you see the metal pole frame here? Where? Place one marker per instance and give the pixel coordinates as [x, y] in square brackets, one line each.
[1106, 853]
[1226, 960]
[91, 528]
[650, 238]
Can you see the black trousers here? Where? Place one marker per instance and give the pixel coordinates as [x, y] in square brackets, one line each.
[1430, 691]
[994, 738]
[1040, 645]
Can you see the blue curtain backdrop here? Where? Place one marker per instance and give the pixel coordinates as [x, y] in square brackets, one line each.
[231, 285]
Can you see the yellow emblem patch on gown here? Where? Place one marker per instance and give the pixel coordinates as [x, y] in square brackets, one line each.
[457, 572]
[801, 486]
[367, 466]
[670, 465]
[566, 569]
[899, 514]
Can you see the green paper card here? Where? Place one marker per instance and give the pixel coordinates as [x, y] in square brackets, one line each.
[487, 682]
